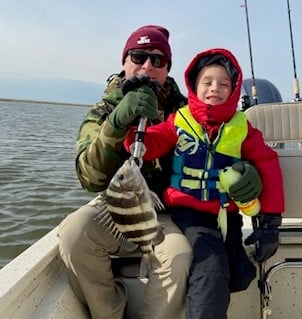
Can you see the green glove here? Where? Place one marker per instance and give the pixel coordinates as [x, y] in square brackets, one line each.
[249, 186]
[141, 102]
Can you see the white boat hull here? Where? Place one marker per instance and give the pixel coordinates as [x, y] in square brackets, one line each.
[35, 286]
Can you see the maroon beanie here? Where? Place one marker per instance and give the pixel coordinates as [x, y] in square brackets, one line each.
[149, 37]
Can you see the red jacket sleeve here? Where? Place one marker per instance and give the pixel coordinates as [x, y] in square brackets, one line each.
[266, 160]
[159, 139]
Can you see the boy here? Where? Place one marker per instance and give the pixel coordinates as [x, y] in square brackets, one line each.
[208, 135]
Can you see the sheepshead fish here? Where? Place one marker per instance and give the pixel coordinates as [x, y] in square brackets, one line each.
[128, 212]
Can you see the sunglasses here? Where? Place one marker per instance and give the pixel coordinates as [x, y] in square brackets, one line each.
[140, 57]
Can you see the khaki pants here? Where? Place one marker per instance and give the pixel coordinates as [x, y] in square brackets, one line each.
[85, 248]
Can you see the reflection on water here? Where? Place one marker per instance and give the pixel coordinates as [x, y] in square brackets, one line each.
[38, 184]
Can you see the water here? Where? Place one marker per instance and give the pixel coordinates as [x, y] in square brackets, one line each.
[38, 183]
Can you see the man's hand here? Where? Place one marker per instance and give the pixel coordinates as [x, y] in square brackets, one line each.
[141, 102]
[138, 81]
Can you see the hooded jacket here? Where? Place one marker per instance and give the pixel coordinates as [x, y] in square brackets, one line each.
[161, 138]
[100, 146]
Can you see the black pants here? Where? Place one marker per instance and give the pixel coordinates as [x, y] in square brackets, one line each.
[218, 267]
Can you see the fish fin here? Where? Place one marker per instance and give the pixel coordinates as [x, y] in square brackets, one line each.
[158, 205]
[162, 226]
[148, 262]
[222, 222]
[126, 244]
[145, 266]
[105, 219]
[160, 236]
[154, 262]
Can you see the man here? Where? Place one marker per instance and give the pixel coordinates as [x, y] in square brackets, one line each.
[85, 246]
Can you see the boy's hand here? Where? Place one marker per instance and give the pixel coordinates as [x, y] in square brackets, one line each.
[249, 186]
[265, 236]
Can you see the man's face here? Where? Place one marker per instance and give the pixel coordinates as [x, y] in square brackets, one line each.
[138, 62]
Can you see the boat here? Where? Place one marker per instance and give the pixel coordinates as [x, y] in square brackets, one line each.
[34, 285]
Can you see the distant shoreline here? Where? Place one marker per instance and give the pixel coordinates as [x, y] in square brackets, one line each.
[43, 102]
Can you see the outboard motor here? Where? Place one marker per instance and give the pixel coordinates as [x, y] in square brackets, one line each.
[266, 93]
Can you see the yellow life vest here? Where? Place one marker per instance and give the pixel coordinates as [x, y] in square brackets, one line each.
[197, 160]
[231, 136]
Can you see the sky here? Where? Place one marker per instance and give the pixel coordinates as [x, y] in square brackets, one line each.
[83, 40]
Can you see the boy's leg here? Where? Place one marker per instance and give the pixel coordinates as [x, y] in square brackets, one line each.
[208, 294]
[208, 286]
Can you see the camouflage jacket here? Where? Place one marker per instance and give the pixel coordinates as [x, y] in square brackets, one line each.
[100, 150]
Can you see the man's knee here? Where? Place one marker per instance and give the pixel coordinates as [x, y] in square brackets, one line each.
[73, 230]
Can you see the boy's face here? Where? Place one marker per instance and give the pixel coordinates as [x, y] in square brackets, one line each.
[213, 84]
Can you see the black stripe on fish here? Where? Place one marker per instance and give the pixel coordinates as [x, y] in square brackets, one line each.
[140, 234]
[145, 245]
[146, 249]
[125, 219]
[114, 189]
[123, 201]
[135, 210]
[105, 220]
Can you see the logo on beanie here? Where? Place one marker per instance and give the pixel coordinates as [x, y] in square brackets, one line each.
[143, 40]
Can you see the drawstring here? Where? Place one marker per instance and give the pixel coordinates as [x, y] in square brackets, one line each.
[222, 214]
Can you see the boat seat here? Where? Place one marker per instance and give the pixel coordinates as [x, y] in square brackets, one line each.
[281, 126]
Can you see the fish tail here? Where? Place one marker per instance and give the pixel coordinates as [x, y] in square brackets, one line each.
[145, 266]
[160, 236]
[148, 262]
[154, 262]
